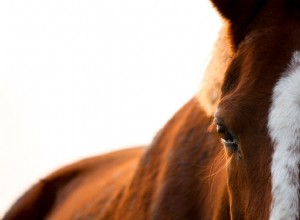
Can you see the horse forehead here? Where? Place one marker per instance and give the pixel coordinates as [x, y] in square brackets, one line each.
[251, 80]
[257, 66]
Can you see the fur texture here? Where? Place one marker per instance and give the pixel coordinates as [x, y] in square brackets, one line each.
[284, 129]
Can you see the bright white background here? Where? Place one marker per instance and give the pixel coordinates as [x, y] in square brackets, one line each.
[79, 78]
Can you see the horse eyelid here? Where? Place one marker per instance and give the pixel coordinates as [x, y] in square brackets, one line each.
[219, 121]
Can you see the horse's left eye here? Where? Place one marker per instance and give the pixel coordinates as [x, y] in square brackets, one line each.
[229, 140]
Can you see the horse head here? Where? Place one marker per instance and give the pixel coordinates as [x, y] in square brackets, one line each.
[258, 117]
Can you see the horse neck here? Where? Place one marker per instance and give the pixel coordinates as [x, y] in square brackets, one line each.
[173, 179]
[210, 86]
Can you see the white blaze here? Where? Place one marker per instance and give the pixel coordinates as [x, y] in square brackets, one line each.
[284, 129]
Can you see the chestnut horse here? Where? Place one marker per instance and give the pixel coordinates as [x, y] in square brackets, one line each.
[232, 152]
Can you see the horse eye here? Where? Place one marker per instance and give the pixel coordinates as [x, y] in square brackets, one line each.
[229, 140]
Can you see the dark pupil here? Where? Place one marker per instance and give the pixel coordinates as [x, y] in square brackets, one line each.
[224, 134]
[227, 138]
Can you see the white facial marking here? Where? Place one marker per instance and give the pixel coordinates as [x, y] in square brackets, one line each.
[284, 129]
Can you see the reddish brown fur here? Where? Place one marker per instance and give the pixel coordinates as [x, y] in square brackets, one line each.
[182, 174]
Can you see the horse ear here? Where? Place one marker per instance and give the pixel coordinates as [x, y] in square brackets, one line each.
[240, 14]
[237, 11]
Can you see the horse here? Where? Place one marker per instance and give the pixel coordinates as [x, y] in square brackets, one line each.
[231, 152]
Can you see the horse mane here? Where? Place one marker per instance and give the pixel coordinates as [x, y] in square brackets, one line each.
[181, 157]
[209, 92]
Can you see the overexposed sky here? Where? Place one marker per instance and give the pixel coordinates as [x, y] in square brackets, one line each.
[79, 78]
